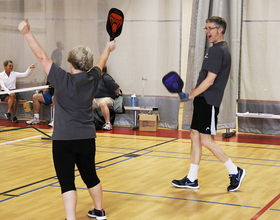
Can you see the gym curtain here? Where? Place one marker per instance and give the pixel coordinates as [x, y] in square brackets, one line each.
[147, 49]
[259, 75]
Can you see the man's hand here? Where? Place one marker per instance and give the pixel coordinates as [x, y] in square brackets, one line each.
[184, 96]
[32, 66]
[24, 27]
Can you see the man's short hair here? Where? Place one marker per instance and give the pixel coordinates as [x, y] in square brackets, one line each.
[6, 62]
[59, 43]
[220, 22]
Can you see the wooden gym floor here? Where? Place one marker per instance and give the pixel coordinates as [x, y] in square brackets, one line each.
[136, 170]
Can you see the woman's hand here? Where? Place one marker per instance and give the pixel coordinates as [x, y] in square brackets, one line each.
[111, 45]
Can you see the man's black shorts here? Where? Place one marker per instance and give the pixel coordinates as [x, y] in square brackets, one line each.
[205, 117]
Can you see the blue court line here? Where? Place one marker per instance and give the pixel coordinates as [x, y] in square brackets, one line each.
[52, 184]
[146, 153]
[184, 199]
[176, 198]
[129, 158]
[209, 155]
[118, 148]
[139, 194]
[110, 152]
[19, 145]
[114, 163]
[30, 191]
[170, 152]
[146, 195]
[215, 160]
[184, 158]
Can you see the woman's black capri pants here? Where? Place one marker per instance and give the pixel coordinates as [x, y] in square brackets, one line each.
[67, 153]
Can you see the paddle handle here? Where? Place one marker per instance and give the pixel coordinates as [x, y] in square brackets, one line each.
[112, 38]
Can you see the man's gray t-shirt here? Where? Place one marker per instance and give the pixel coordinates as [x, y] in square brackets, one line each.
[73, 118]
[217, 60]
[57, 55]
[106, 87]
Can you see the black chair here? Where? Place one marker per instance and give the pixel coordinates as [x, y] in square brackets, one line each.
[99, 120]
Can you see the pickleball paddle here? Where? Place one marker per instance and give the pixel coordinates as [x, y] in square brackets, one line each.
[174, 84]
[114, 23]
[28, 106]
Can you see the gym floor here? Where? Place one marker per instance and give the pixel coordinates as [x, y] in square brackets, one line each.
[136, 170]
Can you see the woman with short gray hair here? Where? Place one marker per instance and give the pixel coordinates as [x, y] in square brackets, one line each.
[81, 58]
[74, 132]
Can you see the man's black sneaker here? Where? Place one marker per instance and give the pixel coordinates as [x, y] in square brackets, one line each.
[236, 180]
[8, 115]
[98, 214]
[15, 120]
[186, 183]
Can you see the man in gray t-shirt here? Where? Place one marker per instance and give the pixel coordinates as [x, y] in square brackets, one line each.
[56, 56]
[105, 95]
[208, 95]
[220, 67]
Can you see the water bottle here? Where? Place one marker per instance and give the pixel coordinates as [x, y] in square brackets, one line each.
[133, 97]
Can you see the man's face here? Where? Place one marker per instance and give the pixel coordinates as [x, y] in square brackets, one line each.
[9, 68]
[212, 32]
[61, 46]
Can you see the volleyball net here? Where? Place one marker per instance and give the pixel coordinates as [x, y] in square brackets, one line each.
[24, 89]
[25, 94]
[10, 134]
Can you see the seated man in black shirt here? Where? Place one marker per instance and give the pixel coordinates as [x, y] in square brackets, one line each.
[105, 95]
[45, 98]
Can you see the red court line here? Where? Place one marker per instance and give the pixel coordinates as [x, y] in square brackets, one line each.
[264, 209]
[7, 123]
[171, 133]
[266, 148]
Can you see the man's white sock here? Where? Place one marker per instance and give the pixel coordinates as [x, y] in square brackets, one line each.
[192, 175]
[232, 169]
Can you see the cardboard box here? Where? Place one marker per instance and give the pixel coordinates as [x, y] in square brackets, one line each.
[148, 122]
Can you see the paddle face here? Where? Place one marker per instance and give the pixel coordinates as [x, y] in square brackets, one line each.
[28, 106]
[173, 82]
[114, 23]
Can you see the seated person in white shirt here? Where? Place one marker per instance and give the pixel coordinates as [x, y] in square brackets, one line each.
[8, 83]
